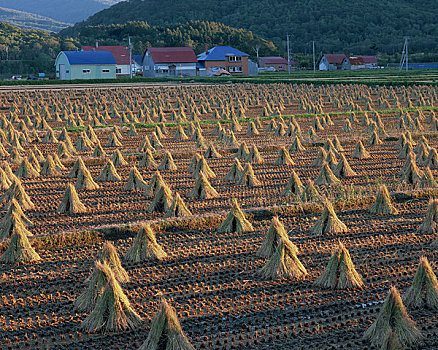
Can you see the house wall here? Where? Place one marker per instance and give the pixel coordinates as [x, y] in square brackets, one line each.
[325, 65]
[96, 72]
[62, 59]
[226, 65]
[346, 65]
[278, 66]
[122, 69]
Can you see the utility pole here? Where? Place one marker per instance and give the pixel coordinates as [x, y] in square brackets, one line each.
[288, 55]
[314, 64]
[130, 56]
[405, 56]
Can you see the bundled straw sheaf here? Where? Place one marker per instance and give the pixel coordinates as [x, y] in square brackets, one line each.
[71, 203]
[340, 272]
[97, 282]
[112, 311]
[383, 205]
[235, 221]
[393, 321]
[294, 186]
[19, 250]
[430, 222]
[276, 232]
[424, 288]
[145, 247]
[135, 181]
[178, 208]
[284, 263]
[328, 223]
[202, 188]
[166, 332]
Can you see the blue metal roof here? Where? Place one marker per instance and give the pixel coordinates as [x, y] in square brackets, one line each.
[220, 53]
[81, 58]
[138, 59]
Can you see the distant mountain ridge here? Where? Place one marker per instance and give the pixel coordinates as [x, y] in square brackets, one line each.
[68, 11]
[30, 20]
[355, 26]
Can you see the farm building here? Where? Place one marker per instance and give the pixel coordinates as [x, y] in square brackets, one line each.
[331, 61]
[359, 62]
[353, 63]
[226, 58]
[278, 63]
[137, 64]
[120, 53]
[169, 62]
[72, 65]
[370, 61]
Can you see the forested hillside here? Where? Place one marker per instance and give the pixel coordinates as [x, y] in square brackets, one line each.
[28, 50]
[355, 26]
[195, 34]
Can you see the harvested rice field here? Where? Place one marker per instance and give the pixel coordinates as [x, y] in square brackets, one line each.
[234, 216]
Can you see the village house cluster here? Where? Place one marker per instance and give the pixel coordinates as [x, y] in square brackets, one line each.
[110, 62]
[343, 62]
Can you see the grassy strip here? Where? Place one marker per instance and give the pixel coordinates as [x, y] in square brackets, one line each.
[73, 239]
[249, 119]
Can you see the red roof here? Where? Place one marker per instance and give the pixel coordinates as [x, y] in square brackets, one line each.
[369, 59]
[334, 58]
[275, 60]
[356, 61]
[120, 53]
[172, 54]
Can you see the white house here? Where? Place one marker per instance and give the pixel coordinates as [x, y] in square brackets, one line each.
[169, 62]
[331, 62]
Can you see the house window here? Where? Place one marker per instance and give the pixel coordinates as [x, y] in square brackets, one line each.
[234, 58]
[162, 71]
[118, 70]
[105, 70]
[235, 69]
[86, 71]
[67, 71]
